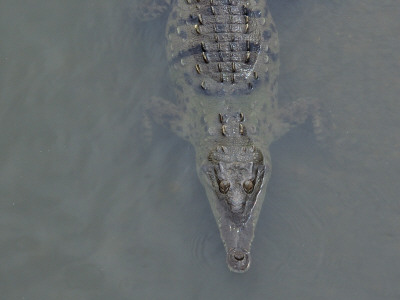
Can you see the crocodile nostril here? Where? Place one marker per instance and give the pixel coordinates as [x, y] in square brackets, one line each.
[239, 256]
[238, 260]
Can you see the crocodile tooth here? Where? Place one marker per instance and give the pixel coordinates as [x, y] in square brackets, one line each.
[248, 45]
[241, 117]
[221, 118]
[246, 28]
[203, 85]
[200, 19]
[221, 77]
[233, 67]
[224, 149]
[255, 75]
[219, 67]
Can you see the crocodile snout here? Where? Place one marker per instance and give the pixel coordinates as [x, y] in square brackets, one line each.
[238, 260]
[238, 208]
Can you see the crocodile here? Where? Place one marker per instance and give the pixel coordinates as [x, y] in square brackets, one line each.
[223, 58]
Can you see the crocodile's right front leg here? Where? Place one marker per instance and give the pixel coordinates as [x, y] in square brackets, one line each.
[297, 113]
[167, 114]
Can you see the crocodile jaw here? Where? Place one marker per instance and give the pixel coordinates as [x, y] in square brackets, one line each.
[235, 211]
[236, 233]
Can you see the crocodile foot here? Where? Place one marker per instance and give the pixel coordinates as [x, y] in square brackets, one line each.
[146, 10]
[164, 113]
[296, 113]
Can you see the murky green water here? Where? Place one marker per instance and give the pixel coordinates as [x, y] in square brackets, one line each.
[87, 212]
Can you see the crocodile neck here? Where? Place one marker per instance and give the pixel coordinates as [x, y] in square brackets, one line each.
[230, 128]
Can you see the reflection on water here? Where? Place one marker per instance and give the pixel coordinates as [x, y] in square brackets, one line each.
[89, 212]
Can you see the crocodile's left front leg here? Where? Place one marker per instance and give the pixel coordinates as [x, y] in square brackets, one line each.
[297, 113]
[145, 10]
[167, 114]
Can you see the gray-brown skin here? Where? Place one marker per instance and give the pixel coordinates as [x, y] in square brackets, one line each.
[223, 57]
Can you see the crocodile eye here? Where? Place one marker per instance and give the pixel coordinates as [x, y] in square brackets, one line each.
[224, 186]
[248, 186]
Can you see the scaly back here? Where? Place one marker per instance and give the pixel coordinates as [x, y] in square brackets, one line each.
[220, 47]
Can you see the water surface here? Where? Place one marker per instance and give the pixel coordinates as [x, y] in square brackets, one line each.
[89, 212]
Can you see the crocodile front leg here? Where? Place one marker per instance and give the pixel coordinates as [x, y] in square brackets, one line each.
[167, 114]
[297, 113]
[145, 10]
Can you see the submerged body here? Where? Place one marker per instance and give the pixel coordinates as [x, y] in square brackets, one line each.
[223, 58]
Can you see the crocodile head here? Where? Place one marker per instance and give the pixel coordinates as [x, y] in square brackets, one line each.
[235, 178]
